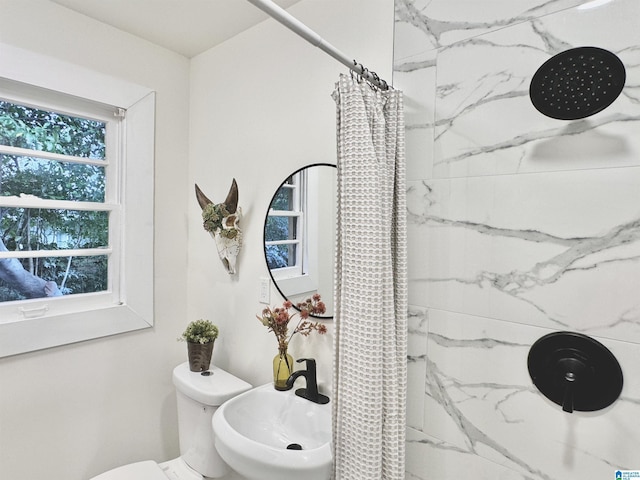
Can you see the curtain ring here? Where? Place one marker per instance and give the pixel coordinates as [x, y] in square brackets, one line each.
[362, 70]
[354, 74]
[376, 84]
[376, 78]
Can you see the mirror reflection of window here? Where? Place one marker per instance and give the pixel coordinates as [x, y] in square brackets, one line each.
[299, 235]
[284, 228]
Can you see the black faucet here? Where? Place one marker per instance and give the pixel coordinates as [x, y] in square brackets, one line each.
[311, 392]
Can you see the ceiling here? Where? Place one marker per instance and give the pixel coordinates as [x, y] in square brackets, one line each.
[188, 27]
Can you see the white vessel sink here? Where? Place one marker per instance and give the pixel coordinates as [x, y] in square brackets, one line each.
[257, 434]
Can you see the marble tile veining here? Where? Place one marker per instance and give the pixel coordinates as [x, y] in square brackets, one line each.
[416, 365]
[558, 250]
[433, 459]
[429, 24]
[518, 225]
[485, 404]
[485, 123]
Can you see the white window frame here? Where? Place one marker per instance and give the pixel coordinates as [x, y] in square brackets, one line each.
[297, 279]
[113, 118]
[49, 322]
[297, 187]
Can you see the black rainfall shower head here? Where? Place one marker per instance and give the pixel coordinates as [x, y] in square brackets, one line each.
[577, 83]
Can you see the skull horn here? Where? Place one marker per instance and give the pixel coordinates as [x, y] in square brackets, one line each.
[203, 201]
[231, 201]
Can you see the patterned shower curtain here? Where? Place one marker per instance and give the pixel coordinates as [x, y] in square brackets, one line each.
[370, 365]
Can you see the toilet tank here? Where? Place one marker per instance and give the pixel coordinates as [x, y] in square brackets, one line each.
[199, 394]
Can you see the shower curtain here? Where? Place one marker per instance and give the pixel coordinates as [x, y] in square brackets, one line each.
[370, 363]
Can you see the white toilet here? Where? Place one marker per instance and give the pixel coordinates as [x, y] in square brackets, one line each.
[199, 394]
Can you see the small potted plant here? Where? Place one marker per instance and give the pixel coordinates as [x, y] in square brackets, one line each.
[200, 335]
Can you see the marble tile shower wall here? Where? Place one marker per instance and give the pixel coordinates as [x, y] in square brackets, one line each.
[519, 225]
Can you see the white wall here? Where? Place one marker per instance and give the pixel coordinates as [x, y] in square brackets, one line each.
[261, 108]
[71, 412]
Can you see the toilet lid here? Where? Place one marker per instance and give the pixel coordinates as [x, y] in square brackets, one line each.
[148, 470]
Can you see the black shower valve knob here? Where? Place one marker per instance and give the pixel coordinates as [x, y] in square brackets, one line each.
[575, 371]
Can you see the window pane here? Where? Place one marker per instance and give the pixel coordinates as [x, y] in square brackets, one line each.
[280, 228]
[50, 179]
[72, 275]
[283, 199]
[49, 229]
[35, 129]
[280, 256]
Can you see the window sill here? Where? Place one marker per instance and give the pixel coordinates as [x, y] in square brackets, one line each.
[46, 332]
[135, 256]
[297, 285]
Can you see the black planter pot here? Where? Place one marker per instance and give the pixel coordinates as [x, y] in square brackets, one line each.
[199, 356]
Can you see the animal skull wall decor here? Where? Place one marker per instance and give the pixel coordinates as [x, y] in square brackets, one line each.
[221, 221]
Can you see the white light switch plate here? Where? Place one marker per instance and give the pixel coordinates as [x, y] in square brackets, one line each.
[265, 287]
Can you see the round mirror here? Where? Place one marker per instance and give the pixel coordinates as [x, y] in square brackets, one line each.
[299, 235]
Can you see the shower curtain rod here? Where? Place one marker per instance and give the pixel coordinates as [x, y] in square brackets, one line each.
[295, 25]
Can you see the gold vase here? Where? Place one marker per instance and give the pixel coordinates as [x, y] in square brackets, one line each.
[282, 369]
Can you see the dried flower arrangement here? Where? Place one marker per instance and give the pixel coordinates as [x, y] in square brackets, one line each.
[277, 320]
